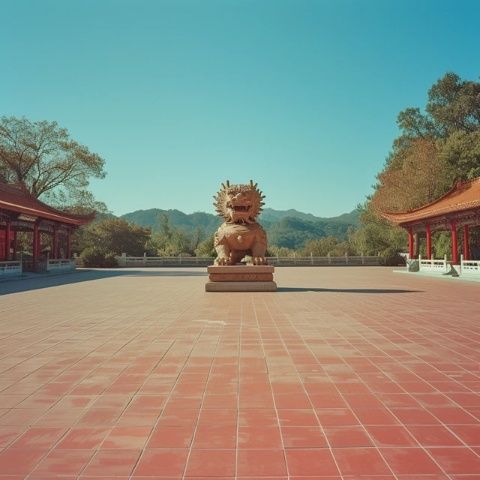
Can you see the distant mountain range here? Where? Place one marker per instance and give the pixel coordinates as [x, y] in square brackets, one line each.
[285, 228]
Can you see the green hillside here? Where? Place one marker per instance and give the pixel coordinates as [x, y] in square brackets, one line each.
[285, 228]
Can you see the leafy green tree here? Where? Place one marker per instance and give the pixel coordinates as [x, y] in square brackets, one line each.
[206, 248]
[319, 247]
[435, 148]
[171, 242]
[114, 236]
[45, 160]
[276, 251]
[376, 236]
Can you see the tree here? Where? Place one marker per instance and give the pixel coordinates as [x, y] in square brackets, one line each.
[421, 176]
[41, 157]
[206, 248]
[320, 247]
[434, 149]
[376, 236]
[113, 235]
[170, 241]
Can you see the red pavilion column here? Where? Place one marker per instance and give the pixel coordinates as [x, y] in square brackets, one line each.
[411, 244]
[69, 244]
[36, 244]
[466, 242]
[453, 227]
[429, 241]
[7, 240]
[55, 243]
[14, 244]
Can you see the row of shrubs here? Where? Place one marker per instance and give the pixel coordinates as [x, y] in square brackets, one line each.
[97, 257]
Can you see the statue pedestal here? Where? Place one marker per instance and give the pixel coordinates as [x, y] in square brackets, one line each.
[241, 278]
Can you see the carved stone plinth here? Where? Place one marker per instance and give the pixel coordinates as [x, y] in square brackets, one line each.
[241, 278]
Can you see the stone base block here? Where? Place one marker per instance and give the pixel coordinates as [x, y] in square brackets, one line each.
[240, 287]
[241, 273]
[241, 278]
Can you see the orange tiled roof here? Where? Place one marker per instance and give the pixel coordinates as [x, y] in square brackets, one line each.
[15, 199]
[463, 196]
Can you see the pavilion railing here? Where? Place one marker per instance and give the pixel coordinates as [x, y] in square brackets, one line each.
[10, 268]
[469, 266]
[439, 265]
[325, 261]
[60, 264]
[127, 261]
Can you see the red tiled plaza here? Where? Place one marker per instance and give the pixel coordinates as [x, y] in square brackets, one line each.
[344, 373]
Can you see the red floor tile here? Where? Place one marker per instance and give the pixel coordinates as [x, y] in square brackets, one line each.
[390, 436]
[84, 438]
[126, 437]
[64, 462]
[375, 416]
[452, 415]
[8, 434]
[219, 416]
[434, 436]
[303, 437]
[220, 401]
[363, 400]
[116, 463]
[261, 463]
[149, 401]
[339, 437]
[288, 401]
[297, 418]
[163, 371]
[161, 462]
[303, 462]
[39, 438]
[171, 437]
[414, 416]
[257, 417]
[99, 417]
[470, 434]
[456, 460]
[211, 463]
[19, 461]
[360, 461]
[400, 400]
[330, 417]
[213, 436]
[330, 400]
[409, 461]
[263, 437]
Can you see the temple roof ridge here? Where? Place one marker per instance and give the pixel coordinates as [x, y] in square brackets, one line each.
[463, 195]
[16, 198]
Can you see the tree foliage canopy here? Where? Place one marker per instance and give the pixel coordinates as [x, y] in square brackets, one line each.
[46, 161]
[113, 236]
[435, 148]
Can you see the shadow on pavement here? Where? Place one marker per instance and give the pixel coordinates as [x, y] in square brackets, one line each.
[38, 281]
[346, 290]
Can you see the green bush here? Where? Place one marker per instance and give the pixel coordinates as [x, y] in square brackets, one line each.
[96, 257]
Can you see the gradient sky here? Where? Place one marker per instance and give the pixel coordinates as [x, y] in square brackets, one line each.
[177, 96]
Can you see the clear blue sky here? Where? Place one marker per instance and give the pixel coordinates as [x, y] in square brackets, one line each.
[177, 96]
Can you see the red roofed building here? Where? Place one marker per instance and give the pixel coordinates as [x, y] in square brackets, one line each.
[457, 209]
[51, 229]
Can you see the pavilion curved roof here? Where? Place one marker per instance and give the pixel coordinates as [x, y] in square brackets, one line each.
[15, 199]
[463, 196]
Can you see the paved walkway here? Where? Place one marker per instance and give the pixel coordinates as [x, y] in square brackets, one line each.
[345, 373]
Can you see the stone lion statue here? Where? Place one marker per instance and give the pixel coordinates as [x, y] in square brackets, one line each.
[240, 234]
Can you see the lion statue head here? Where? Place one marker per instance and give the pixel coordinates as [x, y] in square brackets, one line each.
[239, 203]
